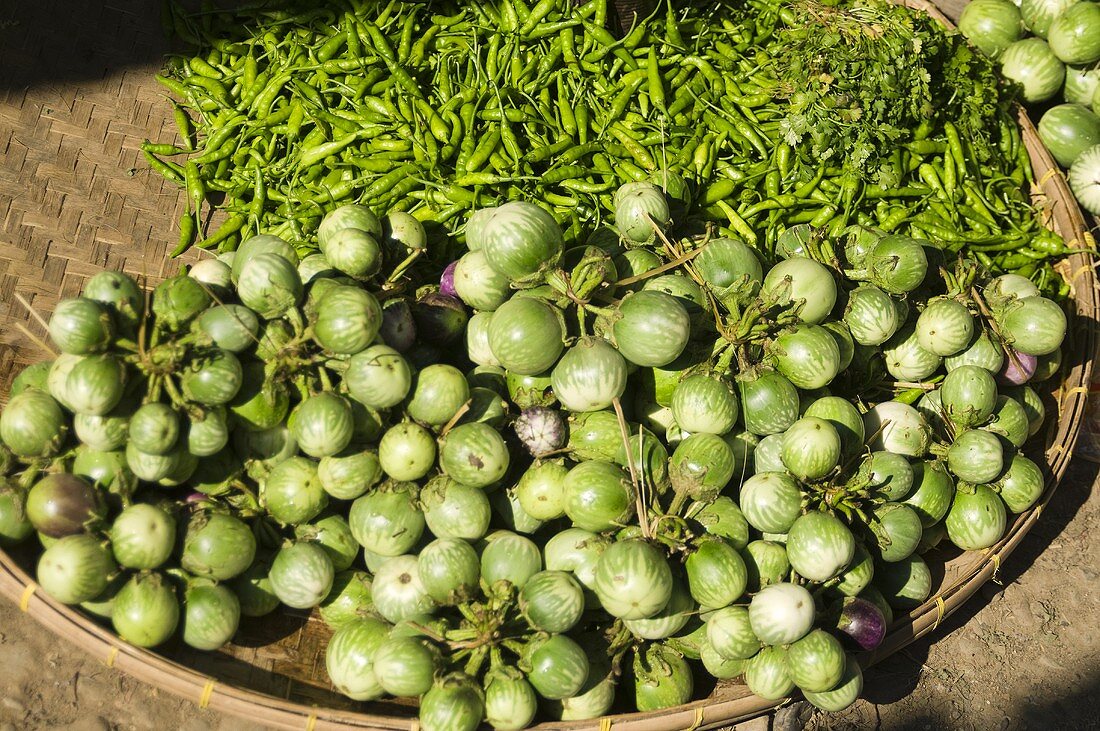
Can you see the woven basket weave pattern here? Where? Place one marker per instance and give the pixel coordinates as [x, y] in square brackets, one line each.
[75, 193]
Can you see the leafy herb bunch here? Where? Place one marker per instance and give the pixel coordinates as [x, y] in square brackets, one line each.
[864, 77]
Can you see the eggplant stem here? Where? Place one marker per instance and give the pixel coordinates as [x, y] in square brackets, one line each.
[992, 322]
[403, 266]
[454, 419]
[639, 495]
[36, 340]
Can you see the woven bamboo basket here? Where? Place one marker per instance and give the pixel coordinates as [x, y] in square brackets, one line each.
[75, 198]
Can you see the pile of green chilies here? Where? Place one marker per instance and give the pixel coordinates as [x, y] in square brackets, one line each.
[443, 107]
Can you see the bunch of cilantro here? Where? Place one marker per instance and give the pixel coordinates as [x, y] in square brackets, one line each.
[863, 76]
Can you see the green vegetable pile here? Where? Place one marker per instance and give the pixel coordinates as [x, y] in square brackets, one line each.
[1059, 63]
[554, 369]
[560, 476]
[758, 116]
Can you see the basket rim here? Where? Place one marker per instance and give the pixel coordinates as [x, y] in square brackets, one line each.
[733, 702]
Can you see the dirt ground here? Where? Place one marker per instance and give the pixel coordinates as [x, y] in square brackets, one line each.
[1022, 654]
[46, 683]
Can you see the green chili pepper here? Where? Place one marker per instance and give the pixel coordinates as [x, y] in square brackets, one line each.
[639, 153]
[712, 155]
[602, 38]
[351, 35]
[909, 396]
[629, 171]
[187, 235]
[509, 142]
[738, 128]
[545, 152]
[771, 184]
[655, 83]
[717, 83]
[823, 216]
[252, 90]
[389, 180]
[672, 27]
[1051, 243]
[176, 87]
[500, 163]
[584, 186]
[561, 201]
[196, 191]
[334, 43]
[581, 114]
[184, 126]
[949, 177]
[313, 155]
[894, 219]
[373, 164]
[163, 149]
[926, 148]
[737, 223]
[377, 39]
[808, 188]
[956, 153]
[566, 172]
[213, 86]
[752, 101]
[338, 192]
[771, 204]
[439, 129]
[232, 225]
[485, 147]
[931, 178]
[909, 191]
[478, 179]
[261, 104]
[1015, 263]
[702, 154]
[402, 190]
[408, 27]
[406, 82]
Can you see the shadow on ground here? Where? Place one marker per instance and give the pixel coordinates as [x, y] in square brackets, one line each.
[74, 49]
[884, 685]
